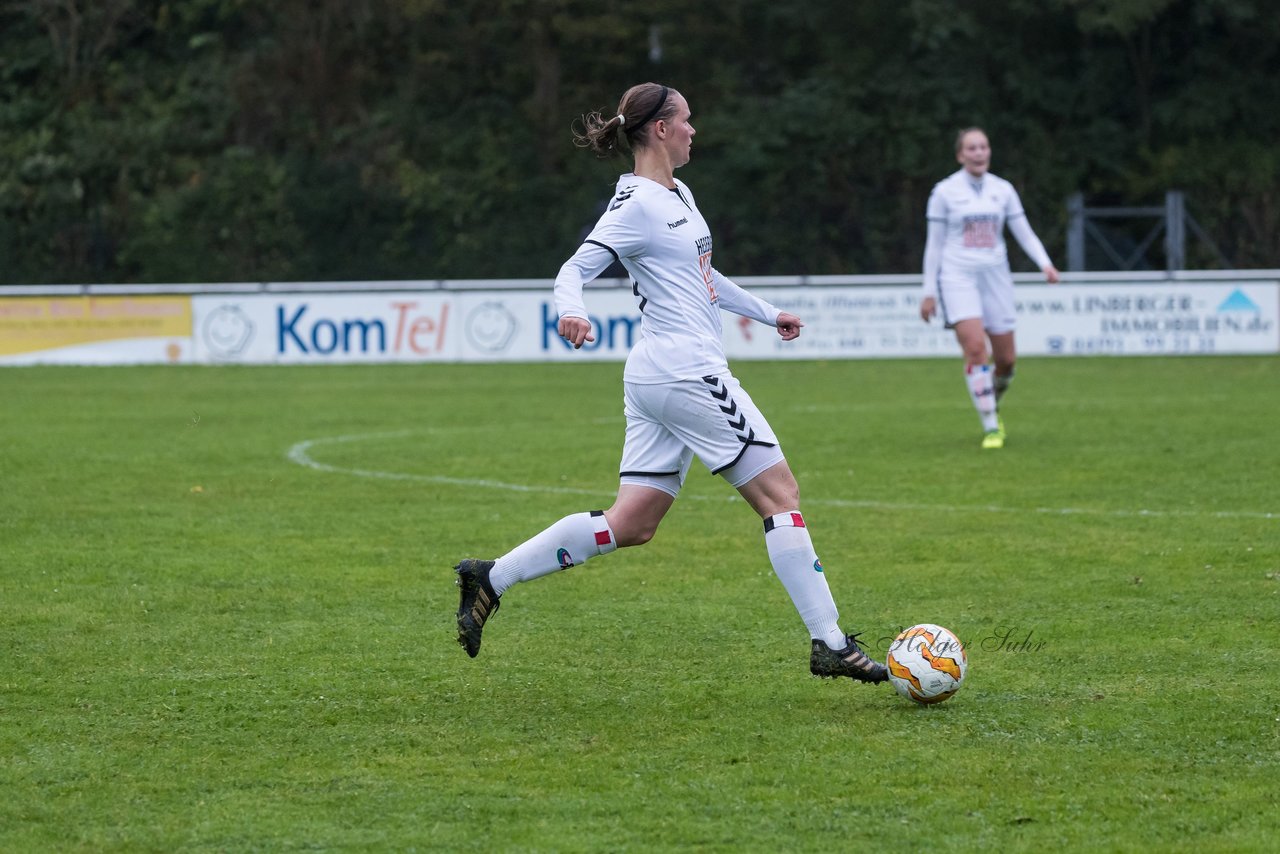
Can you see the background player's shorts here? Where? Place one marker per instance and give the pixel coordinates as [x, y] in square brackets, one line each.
[985, 292]
[712, 418]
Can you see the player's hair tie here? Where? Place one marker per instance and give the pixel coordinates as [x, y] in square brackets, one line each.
[662, 99]
[622, 120]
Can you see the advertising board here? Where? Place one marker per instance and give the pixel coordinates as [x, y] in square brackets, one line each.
[94, 330]
[505, 324]
[841, 322]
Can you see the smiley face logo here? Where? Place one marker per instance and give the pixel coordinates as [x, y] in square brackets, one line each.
[227, 331]
[490, 327]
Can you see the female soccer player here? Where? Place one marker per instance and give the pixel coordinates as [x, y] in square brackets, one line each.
[966, 272]
[679, 396]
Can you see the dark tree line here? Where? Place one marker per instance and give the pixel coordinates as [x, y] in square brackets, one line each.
[234, 140]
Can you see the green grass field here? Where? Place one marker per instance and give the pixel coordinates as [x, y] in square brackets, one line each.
[228, 615]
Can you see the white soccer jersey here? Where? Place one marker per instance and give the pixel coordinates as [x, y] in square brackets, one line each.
[975, 212]
[664, 243]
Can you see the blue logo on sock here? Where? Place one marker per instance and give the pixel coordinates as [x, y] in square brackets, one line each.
[565, 559]
[817, 566]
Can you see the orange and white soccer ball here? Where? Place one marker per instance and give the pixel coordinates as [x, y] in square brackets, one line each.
[927, 663]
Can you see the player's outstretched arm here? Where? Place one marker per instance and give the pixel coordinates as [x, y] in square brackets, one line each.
[789, 326]
[1033, 247]
[732, 297]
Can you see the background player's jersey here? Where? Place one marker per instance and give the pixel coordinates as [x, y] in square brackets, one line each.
[665, 245]
[975, 212]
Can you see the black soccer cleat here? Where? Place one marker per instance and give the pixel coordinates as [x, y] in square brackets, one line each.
[850, 661]
[477, 603]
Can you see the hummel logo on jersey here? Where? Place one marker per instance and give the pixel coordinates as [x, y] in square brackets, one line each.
[678, 223]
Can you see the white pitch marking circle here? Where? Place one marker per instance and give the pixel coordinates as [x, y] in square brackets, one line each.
[301, 454]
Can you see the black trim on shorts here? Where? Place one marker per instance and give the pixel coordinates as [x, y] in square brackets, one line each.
[648, 473]
[745, 444]
[942, 306]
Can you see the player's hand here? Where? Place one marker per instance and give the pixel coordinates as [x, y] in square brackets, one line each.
[1051, 275]
[575, 330]
[789, 326]
[928, 308]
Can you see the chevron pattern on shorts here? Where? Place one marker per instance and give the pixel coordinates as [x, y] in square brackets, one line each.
[729, 407]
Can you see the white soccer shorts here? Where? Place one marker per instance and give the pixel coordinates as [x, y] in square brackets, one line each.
[985, 292]
[712, 418]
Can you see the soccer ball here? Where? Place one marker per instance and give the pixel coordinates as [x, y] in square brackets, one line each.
[927, 663]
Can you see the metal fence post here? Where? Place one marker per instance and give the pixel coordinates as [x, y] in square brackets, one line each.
[1175, 231]
[1075, 232]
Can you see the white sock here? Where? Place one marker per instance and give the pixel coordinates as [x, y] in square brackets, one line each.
[573, 540]
[798, 568]
[983, 393]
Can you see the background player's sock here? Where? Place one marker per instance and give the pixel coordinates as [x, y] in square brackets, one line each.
[983, 394]
[1002, 383]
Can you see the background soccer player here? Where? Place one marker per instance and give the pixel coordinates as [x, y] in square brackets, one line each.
[966, 272]
[680, 398]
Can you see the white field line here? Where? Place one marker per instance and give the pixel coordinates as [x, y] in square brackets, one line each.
[301, 454]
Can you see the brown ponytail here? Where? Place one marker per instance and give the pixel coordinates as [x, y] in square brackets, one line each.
[640, 106]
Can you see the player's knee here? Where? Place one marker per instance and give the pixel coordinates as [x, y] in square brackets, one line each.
[630, 528]
[635, 535]
[643, 535]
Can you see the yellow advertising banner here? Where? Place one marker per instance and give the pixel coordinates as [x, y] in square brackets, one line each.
[35, 324]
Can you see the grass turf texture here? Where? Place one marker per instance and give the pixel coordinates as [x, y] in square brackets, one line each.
[208, 645]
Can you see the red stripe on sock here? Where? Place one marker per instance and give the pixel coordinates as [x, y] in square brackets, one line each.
[797, 520]
[602, 538]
